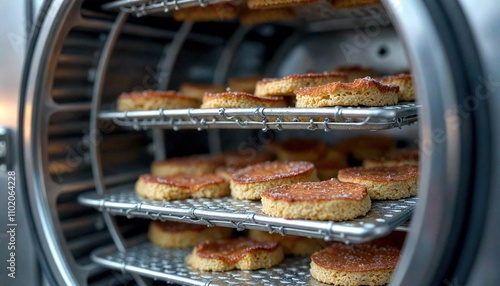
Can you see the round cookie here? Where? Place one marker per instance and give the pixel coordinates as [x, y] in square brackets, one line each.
[285, 86]
[239, 253]
[325, 200]
[355, 264]
[191, 165]
[240, 100]
[248, 183]
[396, 158]
[171, 234]
[181, 186]
[292, 244]
[384, 183]
[154, 99]
[405, 83]
[364, 91]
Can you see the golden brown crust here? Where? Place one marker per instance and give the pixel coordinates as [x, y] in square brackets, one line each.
[240, 253]
[395, 158]
[270, 171]
[255, 17]
[285, 86]
[197, 90]
[189, 182]
[195, 164]
[325, 200]
[355, 264]
[365, 92]
[317, 191]
[244, 84]
[181, 187]
[382, 183]
[154, 99]
[240, 100]
[216, 12]
[248, 183]
[405, 84]
[171, 234]
[380, 173]
[269, 4]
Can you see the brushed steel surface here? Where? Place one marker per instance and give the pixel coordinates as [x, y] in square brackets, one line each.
[484, 22]
[432, 224]
[383, 217]
[168, 265]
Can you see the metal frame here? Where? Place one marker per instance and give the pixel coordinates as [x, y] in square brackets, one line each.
[383, 217]
[327, 119]
[145, 7]
[441, 144]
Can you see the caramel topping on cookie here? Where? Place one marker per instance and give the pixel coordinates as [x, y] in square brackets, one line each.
[184, 181]
[357, 257]
[380, 174]
[358, 84]
[239, 94]
[269, 171]
[317, 191]
[232, 250]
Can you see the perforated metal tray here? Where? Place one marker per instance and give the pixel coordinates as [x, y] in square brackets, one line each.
[383, 217]
[168, 265]
[327, 118]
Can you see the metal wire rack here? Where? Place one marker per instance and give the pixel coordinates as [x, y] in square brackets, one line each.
[321, 10]
[141, 8]
[168, 265]
[327, 119]
[383, 217]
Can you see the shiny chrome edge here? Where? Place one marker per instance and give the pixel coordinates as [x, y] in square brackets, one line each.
[358, 230]
[34, 123]
[432, 222]
[483, 21]
[95, 155]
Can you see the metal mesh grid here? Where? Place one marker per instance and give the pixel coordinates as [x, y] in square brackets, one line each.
[168, 265]
[327, 118]
[383, 217]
